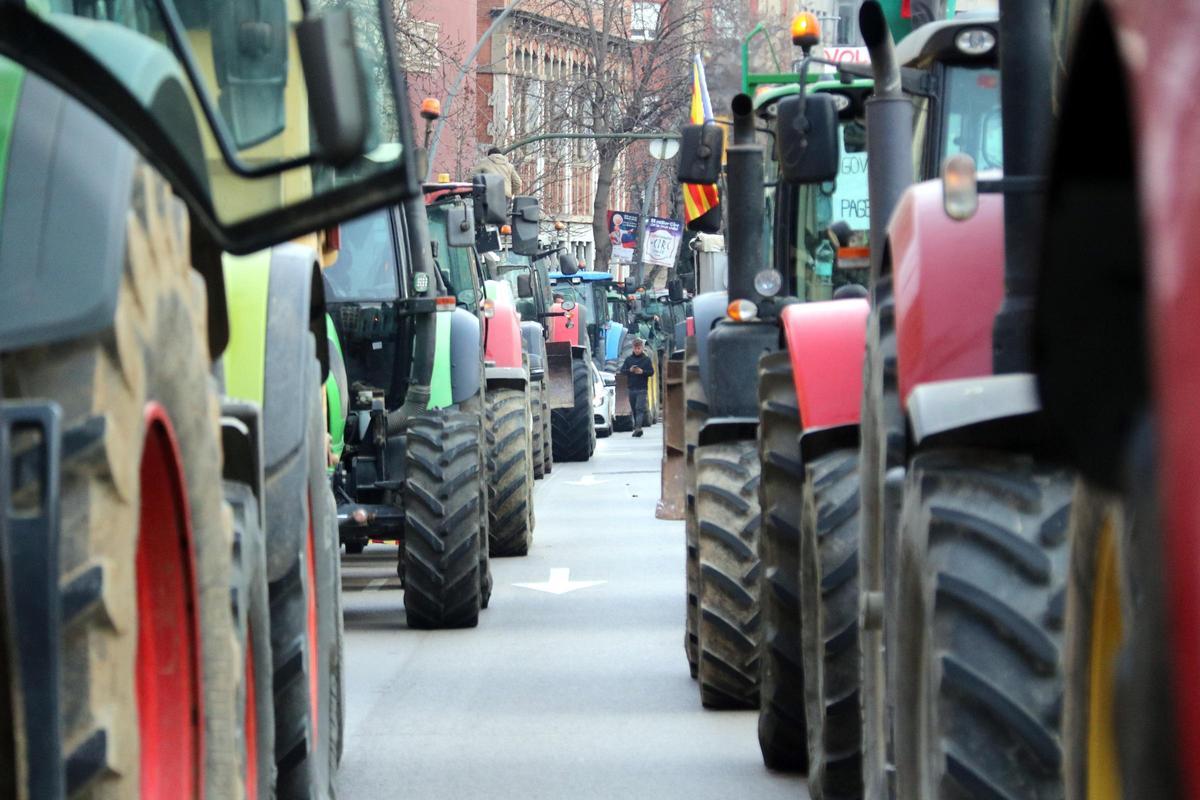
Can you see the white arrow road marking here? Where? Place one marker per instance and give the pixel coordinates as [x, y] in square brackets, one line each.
[586, 480]
[377, 583]
[560, 582]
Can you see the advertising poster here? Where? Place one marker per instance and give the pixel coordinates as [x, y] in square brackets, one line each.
[663, 237]
[622, 232]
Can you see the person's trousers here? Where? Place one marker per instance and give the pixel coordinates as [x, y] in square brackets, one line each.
[637, 406]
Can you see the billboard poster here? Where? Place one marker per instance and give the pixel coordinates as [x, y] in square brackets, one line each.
[663, 237]
[622, 233]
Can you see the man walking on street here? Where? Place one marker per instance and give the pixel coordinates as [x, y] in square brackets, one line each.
[639, 367]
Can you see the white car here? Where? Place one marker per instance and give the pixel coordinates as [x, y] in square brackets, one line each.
[604, 400]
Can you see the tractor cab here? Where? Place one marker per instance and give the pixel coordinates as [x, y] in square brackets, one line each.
[589, 291]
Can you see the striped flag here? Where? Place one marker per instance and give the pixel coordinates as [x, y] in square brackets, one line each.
[700, 211]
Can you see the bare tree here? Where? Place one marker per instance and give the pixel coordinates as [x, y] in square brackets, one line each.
[634, 76]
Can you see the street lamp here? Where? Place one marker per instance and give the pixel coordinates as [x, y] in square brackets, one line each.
[660, 150]
[462, 74]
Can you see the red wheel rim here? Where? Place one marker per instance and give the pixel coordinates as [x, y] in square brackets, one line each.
[314, 645]
[170, 706]
[250, 726]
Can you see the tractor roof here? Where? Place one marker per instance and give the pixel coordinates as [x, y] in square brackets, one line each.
[936, 42]
[769, 97]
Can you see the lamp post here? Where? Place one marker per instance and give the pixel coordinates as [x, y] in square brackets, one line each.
[458, 80]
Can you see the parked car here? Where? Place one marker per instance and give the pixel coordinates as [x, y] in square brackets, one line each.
[604, 402]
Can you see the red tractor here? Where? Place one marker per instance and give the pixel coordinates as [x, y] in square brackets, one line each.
[1115, 352]
[962, 555]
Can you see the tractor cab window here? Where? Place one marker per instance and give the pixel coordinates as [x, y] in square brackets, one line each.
[457, 265]
[240, 124]
[366, 267]
[509, 272]
[971, 122]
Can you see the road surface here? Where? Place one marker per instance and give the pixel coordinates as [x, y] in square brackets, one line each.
[584, 694]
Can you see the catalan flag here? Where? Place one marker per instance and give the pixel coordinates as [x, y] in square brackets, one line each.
[700, 203]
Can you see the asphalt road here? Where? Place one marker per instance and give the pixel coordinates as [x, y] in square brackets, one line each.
[578, 695]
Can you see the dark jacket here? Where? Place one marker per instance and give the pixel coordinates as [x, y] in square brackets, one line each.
[637, 383]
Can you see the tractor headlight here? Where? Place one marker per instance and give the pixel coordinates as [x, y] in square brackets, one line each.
[768, 282]
[975, 41]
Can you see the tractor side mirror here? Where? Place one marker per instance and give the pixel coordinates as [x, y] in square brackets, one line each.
[675, 290]
[526, 223]
[700, 149]
[567, 264]
[524, 286]
[808, 139]
[333, 77]
[488, 191]
[460, 225]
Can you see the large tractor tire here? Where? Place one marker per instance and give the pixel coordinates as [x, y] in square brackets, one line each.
[696, 411]
[252, 615]
[982, 577]
[146, 541]
[510, 485]
[442, 559]
[829, 539]
[573, 435]
[882, 446]
[730, 625]
[537, 431]
[303, 563]
[781, 726]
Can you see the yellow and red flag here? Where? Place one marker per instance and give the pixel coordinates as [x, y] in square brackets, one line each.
[699, 200]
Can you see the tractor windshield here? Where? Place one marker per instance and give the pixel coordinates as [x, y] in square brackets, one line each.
[457, 264]
[971, 123]
[366, 267]
[224, 104]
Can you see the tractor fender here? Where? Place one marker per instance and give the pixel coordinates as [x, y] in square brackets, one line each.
[948, 279]
[534, 342]
[61, 158]
[464, 355]
[826, 344]
[277, 303]
[716, 430]
[1000, 411]
[706, 310]
[337, 391]
[614, 340]
[503, 337]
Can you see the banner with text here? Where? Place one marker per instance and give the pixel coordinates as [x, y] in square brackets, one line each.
[622, 233]
[663, 237]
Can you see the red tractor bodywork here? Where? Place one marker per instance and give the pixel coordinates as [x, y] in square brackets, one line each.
[826, 342]
[566, 328]
[502, 336]
[1158, 56]
[948, 283]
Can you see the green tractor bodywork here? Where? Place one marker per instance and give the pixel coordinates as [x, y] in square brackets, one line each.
[799, 217]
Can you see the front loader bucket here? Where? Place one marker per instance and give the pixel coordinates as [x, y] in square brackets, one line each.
[560, 381]
[674, 468]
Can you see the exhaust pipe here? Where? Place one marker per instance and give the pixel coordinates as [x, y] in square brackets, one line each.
[744, 184]
[889, 129]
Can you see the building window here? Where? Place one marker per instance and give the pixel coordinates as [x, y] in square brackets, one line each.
[418, 45]
[644, 20]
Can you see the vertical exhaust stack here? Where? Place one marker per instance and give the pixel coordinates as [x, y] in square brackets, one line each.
[889, 129]
[1026, 72]
[744, 185]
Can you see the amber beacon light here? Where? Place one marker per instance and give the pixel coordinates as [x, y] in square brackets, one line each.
[806, 31]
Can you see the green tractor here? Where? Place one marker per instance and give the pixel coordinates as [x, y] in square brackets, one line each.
[413, 463]
[165, 402]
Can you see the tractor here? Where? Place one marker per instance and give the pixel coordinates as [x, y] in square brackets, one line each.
[1113, 348]
[577, 337]
[512, 411]
[418, 406]
[962, 509]
[165, 402]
